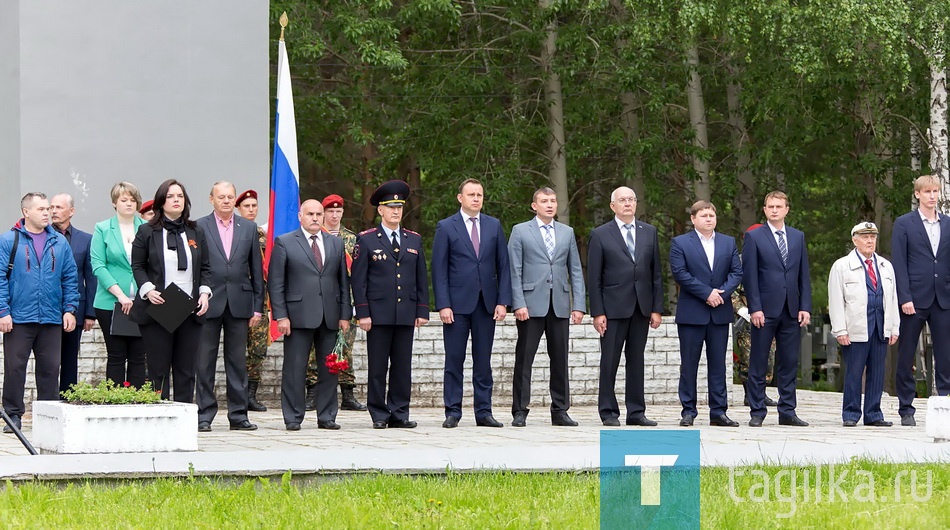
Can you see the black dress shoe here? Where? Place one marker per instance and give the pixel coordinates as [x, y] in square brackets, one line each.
[562, 420]
[243, 426]
[488, 421]
[879, 423]
[769, 402]
[793, 421]
[611, 422]
[641, 421]
[293, 426]
[329, 424]
[450, 422]
[686, 421]
[518, 419]
[756, 421]
[15, 420]
[848, 423]
[723, 421]
[908, 421]
[402, 424]
[380, 424]
[204, 426]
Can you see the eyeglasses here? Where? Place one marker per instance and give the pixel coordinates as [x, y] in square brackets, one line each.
[626, 200]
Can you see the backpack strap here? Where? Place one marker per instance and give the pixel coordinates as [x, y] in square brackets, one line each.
[16, 245]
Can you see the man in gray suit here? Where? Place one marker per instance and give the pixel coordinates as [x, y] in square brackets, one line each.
[547, 287]
[309, 291]
[237, 301]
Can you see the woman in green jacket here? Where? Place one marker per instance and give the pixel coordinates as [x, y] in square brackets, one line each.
[111, 255]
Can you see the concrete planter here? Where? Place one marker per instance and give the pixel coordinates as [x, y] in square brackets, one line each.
[938, 418]
[60, 427]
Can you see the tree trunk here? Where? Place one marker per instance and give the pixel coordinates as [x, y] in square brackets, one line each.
[554, 101]
[938, 124]
[697, 118]
[745, 179]
[367, 154]
[630, 124]
[410, 172]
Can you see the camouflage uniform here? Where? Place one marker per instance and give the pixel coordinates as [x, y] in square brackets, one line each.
[258, 339]
[742, 333]
[346, 377]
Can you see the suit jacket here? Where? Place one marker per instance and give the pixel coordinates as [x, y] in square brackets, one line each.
[615, 280]
[236, 282]
[390, 287]
[110, 263]
[537, 281]
[922, 277]
[458, 275]
[80, 242]
[770, 285]
[696, 280]
[301, 292]
[148, 265]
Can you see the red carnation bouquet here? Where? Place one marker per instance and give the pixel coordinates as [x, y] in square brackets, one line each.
[337, 360]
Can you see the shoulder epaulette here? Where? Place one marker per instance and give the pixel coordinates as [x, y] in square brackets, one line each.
[411, 232]
[367, 231]
[347, 230]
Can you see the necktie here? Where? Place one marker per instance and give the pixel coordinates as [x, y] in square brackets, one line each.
[475, 240]
[871, 274]
[782, 247]
[395, 243]
[631, 246]
[316, 253]
[549, 240]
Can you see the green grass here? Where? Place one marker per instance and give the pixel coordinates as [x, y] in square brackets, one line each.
[482, 500]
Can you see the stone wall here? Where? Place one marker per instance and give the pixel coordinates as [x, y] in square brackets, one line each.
[662, 362]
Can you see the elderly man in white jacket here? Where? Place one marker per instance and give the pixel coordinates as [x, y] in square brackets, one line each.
[862, 301]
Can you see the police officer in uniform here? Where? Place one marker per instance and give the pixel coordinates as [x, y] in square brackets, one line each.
[391, 295]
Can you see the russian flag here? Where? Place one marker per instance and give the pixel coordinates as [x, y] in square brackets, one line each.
[284, 180]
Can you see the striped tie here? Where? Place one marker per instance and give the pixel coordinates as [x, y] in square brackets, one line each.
[631, 246]
[549, 241]
[782, 247]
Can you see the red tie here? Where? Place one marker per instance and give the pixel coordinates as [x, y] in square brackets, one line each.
[871, 273]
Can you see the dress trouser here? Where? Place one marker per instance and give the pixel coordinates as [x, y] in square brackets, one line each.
[294, 374]
[481, 325]
[389, 349]
[786, 332]
[692, 338]
[911, 326]
[69, 356]
[529, 337]
[627, 336]
[125, 356]
[172, 354]
[235, 366]
[44, 340]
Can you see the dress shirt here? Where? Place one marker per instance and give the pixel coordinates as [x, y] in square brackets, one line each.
[709, 246]
[226, 231]
[933, 230]
[323, 251]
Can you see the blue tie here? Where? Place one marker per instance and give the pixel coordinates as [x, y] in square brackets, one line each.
[782, 247]
[549, 241]
[631, 246]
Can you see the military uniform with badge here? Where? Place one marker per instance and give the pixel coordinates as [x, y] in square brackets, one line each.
[391, 297]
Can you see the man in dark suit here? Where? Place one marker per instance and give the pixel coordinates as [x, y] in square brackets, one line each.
[920, 252]
[310, 299]
[706, 266]
[547, 287]
[62, 209]
[237, 301]
[626, 299]
[778, 292]
[472, 285]
[391, 293]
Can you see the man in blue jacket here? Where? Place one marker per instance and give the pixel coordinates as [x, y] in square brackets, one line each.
[39, 297]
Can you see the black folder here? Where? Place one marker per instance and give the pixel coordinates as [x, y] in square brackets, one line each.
[122, 326]
[178, 305]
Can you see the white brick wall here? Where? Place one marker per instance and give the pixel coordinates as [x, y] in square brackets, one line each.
[661, 370]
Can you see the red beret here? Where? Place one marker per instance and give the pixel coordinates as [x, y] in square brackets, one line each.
[333, 201]
[146, 206]
[245, 195]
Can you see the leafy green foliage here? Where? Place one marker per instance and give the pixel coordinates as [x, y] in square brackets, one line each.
[108, 393]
